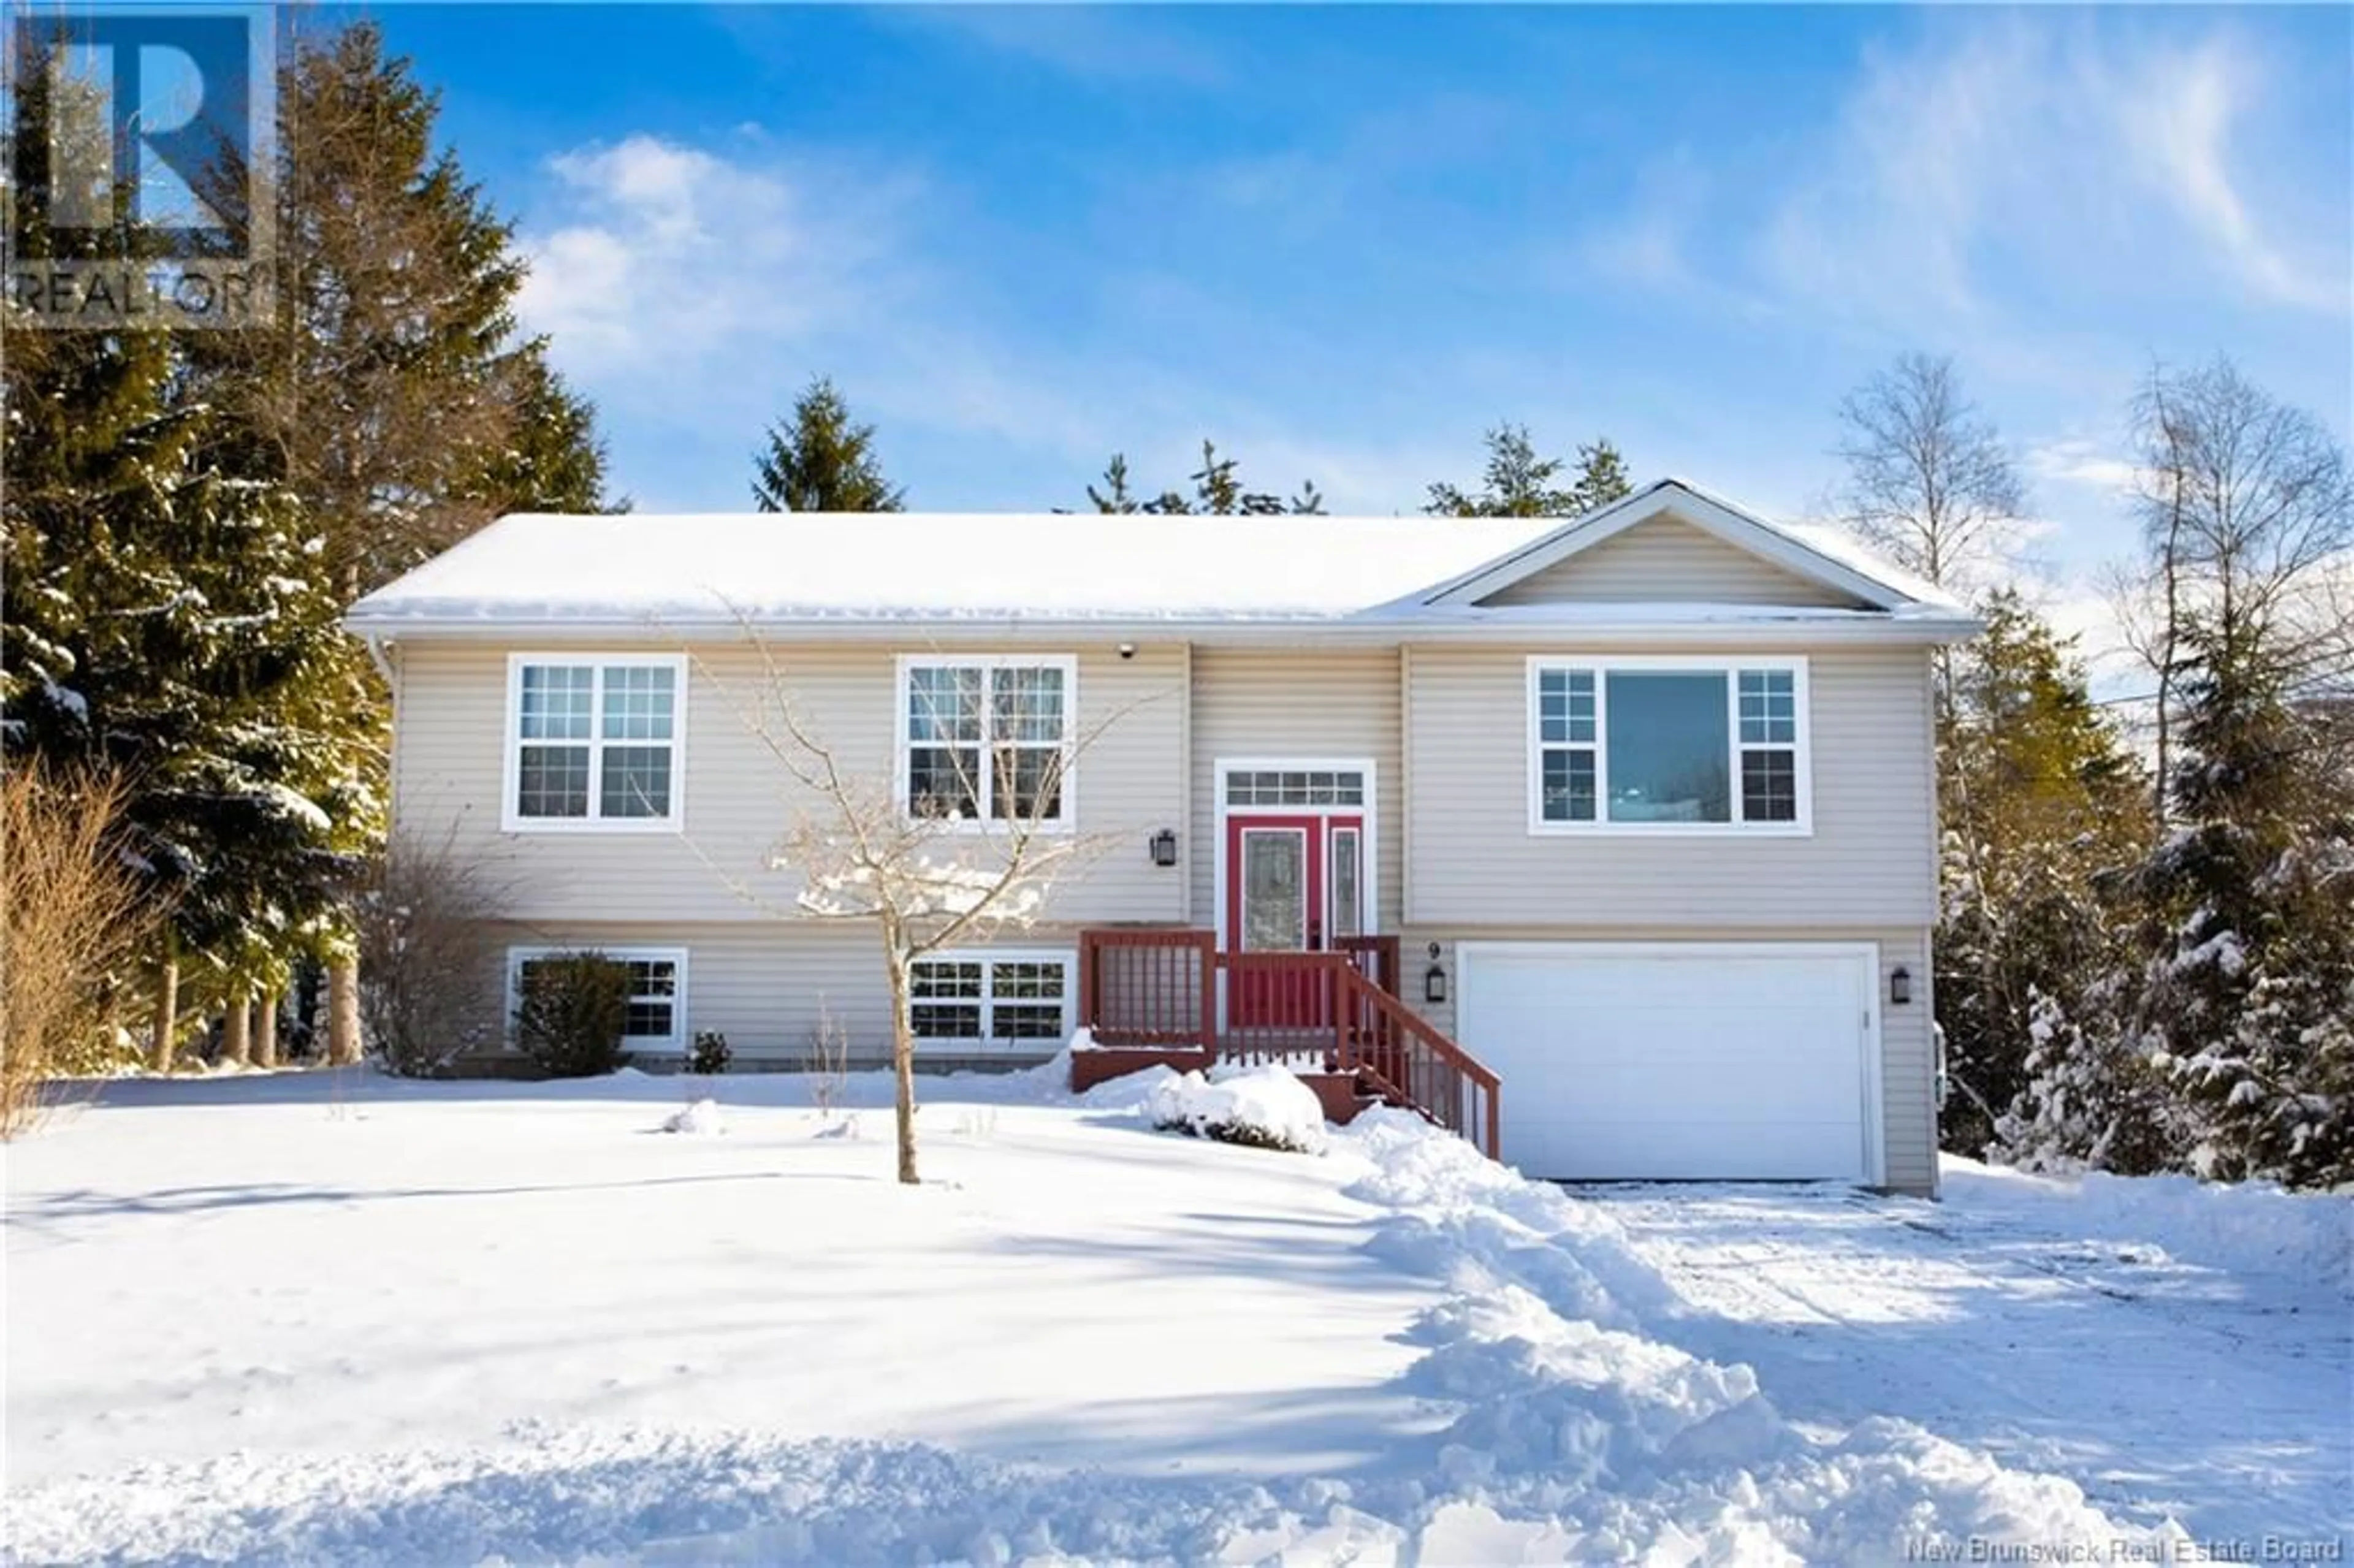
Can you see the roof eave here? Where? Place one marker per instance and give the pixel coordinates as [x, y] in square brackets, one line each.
[1363, 630]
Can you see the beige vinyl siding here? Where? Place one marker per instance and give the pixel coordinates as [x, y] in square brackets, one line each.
[1273, 703]
[768, 986]
[1871, 859]
[450, 754]
[1666, 560]
[1907, 1052]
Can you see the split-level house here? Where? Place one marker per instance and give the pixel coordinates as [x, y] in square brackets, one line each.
[1633, 814]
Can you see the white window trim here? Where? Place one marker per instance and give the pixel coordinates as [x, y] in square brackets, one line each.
[513, 820]
[1729, 665]
[1067, 959]
[1368, 845]
[1068, 816]
[674, 1043]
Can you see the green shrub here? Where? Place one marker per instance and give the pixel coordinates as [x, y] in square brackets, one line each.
[710, 1054]
[1249, 1135]
[569, 1013]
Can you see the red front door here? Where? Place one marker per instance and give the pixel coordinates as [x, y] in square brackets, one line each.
[1293, 884]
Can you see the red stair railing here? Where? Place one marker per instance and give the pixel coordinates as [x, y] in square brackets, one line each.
[1337, 1012]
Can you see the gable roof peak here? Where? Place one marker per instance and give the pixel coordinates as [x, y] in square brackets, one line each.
[1815, 554]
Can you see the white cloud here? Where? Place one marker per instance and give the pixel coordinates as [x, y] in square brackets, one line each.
[2086, 154]
[1650, 243]
[665, 254]
[2179, 114]
[2072, 461]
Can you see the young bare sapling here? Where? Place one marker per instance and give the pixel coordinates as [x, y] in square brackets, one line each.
[963, 844]
[826, 1061]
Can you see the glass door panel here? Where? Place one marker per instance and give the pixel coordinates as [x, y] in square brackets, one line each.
[1274, 889]
[1344, 869]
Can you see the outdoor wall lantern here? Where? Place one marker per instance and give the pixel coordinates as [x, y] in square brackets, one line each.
[1434, 981]
[1900, 985]
[1164, 847]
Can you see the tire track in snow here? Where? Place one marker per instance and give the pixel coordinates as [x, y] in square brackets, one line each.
[1995, 1337]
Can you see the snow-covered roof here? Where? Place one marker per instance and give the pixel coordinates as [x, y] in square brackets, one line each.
[699, 571]
[922, 566]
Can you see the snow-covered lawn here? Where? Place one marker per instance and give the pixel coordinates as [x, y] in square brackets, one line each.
[315, 1318]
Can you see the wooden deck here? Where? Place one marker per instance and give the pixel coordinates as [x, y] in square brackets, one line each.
[1169, 993]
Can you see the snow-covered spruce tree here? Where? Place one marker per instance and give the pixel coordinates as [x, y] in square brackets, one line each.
[2249, 987]
[2095, 1093]
[392, 391]
[2043, 809]
[2249, 999]
[169, 621]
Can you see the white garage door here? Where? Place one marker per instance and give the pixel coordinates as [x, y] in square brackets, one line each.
[1677, 1061]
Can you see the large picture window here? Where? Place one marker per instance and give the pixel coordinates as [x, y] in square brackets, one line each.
[1017, 1000]
[593, 741]
[1667, 745]
[987, 739]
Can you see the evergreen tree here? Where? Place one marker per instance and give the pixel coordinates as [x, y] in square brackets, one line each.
[2039, 802]
[2249, 997]
[1115, 498]
[1218, 491]
[2226, 1046]
[822, 460]
[173, 621]
[186, 517]
[1521, 483]
[552, 460]
[392, 392]
[1602, 477]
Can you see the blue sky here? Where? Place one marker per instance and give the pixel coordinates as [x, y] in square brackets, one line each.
[1344, 240]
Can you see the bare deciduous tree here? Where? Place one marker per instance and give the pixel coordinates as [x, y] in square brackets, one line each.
[1931, 486]
[1929, 483]
[71, 920]
[929, 872]
[425, 950]
[2247, 512]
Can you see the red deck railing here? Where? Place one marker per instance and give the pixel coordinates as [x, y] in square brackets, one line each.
[1338, 1012]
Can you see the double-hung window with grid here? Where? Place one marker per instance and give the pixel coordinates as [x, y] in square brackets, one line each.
[987, 739]
[593, 741]
[1016, 1001]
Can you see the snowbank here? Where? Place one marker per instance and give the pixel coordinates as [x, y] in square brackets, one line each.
[1265, 1108]
[2242, 1227]
[701, 1118]
[1586, 1437]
